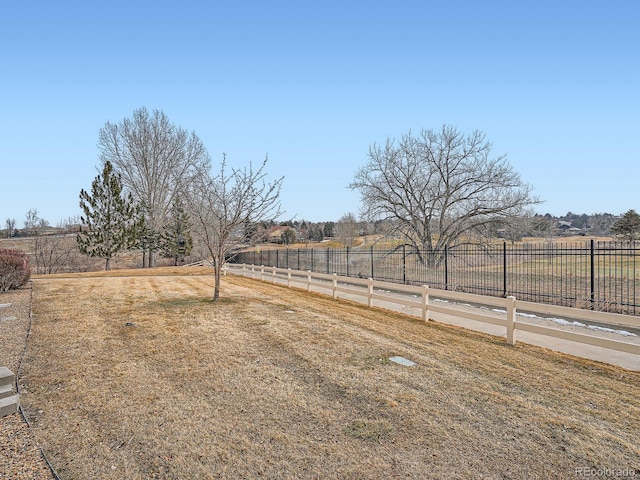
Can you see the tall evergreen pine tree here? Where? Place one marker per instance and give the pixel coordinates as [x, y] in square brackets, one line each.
[176, 239]
[627, 226]
[111, 220]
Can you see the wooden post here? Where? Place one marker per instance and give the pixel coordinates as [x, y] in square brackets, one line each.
[274, 274]
[425, 303]
[262, 273]
[308, 280]
[370, 293]
[335, 285]
[289, 277]
[511, 320]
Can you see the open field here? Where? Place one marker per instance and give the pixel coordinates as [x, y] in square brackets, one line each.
[137, 374]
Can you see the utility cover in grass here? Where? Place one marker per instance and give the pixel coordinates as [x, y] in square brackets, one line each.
[402, 361]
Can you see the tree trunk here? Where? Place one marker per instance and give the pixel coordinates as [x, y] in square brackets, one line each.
[108, 264]
[216, 276]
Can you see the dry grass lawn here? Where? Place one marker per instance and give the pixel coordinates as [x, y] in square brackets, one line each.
[137, 375]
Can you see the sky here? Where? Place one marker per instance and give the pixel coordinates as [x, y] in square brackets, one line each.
[554, 85]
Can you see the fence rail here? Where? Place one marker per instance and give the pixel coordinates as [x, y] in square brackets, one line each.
[419, 297]
[602, 276]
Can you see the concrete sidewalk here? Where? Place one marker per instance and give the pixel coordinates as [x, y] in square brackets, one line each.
[605, 355]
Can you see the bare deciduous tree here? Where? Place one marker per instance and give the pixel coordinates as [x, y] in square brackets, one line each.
[54, 250]
[10, 227]
[346, 229]
[223, 205]
[156, 159]
[438, 186]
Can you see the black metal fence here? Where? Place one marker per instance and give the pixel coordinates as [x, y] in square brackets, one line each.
[593, 275]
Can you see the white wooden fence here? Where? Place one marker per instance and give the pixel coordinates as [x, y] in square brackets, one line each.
[419, 297]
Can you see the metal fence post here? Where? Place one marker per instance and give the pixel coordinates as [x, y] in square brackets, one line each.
[372, 276]
[404, 265]
[446, 268]
[592, 283]
[504, 269]
[327, 270]
[347, 261]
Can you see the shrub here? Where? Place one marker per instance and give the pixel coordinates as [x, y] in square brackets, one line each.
[14, 269]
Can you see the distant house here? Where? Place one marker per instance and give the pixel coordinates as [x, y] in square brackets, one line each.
[567, 229]
[275, 234]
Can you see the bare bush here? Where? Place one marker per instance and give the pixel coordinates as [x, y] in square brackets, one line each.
[14, 269]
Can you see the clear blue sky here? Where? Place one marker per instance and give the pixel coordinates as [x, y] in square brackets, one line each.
[555, 85]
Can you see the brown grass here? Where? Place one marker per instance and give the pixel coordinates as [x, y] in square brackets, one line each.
[142, 376]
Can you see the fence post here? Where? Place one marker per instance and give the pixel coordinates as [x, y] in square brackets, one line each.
[274, 274]
[327, 270]
[224, 270]
[592, 286]
[347, 261]
[289, 277]
[504, 269]
[372, 276]
[335, 285]
[253, 270]
[404, 265]
[446, 268]
[308, 280]
[244, 269]
[262, 273]
[511, 320]
[425, 303]
[370, 293]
